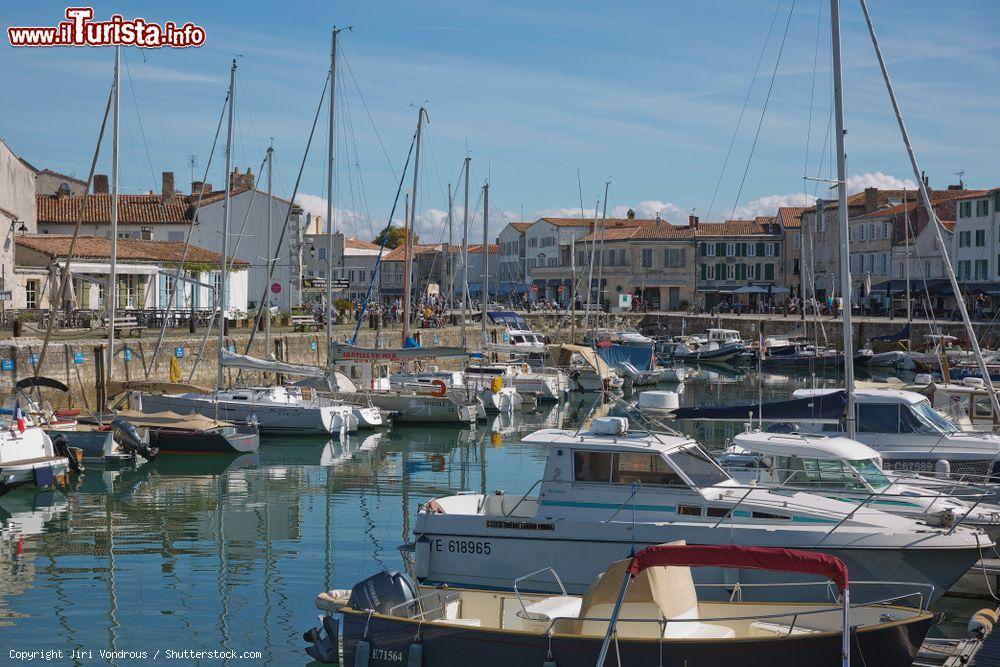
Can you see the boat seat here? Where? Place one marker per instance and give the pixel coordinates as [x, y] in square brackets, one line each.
[539, 615]
[634, 625]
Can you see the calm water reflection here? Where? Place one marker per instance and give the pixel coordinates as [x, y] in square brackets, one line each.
[216, 553]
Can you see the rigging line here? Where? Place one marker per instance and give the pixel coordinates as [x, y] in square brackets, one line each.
[763, 111]
[138, 116]
[246, 105]
[64, 278]
[171, 296]
[812, 96]
[363, 194]
[156, 110]
[288, 214]
[746, 103]
[376, 272]
[347, 64]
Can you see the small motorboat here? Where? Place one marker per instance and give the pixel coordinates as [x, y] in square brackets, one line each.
[194, 433]
[643, 611]
[673, 374]
[635, 377]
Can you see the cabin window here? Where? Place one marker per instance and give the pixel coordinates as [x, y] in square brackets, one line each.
[688, 510]
[871, 473]
[768, 515]
[717, 512]
[817, 473]
[877, 418]
[982, 408]
[646, 469]
[591, 467]
[698, 466]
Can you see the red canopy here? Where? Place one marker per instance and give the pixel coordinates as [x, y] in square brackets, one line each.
[753, 558]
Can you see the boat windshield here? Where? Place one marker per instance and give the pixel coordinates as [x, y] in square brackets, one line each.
[922, 417]
[698, 466]
[871, 473]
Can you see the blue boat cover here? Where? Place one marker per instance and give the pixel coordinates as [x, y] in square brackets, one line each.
[639, 356]
[822, 408]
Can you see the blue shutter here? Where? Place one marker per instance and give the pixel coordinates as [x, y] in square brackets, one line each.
[161, 301]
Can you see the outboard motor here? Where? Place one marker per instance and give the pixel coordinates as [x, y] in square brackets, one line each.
[128, 436]
[383, 591]
[60, 445]
[324, 648]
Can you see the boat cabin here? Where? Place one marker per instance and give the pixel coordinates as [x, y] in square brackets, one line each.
[723, 336]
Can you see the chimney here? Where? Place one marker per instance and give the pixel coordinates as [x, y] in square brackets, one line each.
[693, 221]
[960, 186]
[630, 215]
[658, 220]
[167, 187]
[101, 184]
[871, 200]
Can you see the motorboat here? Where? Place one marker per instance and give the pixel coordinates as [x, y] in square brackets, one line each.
[848, 471]
[645, 610]
[275, 410]
[492, 396]
[966, 402]
[517, 338]
[804, 355]
[909, 434]
[606, 491]
[673, 373]
[193, 433]
[27, 454]
[718, 346]
[588, 372]
[635, 377]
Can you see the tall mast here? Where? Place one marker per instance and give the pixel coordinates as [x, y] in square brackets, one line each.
[413, 226]
[933, 219]
[406, 265]
[270, 252]
[112, 291]
[449, 257]
[465, 252]
[486, 255]
[906, 265]
[600, 265]
[329, 192]
[222, 295]
[845, 245]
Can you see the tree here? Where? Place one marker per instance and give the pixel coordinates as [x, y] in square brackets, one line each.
[395, 237]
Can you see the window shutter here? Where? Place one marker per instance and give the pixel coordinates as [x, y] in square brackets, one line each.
[704, 250]
[769, 272]
[760, 248]
[704, 268]
[161, 301]
[720, 249]
[777, 250]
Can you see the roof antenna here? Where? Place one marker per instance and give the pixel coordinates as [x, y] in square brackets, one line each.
[961, 183]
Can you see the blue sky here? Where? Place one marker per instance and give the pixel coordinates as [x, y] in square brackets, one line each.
[646, 94]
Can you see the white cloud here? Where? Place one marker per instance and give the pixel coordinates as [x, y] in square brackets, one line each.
[650, 208]
[859, 182]
[769, 205]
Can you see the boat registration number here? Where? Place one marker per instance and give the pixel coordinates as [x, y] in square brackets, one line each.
[477, 547]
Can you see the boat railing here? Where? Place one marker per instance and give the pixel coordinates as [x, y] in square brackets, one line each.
[524, 613]
[523, 498]
[921, 607]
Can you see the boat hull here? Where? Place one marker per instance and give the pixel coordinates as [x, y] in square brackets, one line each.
[224, 440]
[410, 408]
[389, 640]
[484, 552]
[270, 418]
[18, 473]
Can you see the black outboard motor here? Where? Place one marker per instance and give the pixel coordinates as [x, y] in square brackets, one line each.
[383, 591]
[324, 648]
[60, 444]
[129, 438]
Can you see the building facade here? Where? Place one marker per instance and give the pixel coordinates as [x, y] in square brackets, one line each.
[739, 255]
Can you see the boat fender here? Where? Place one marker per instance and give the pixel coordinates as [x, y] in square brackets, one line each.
[496, 384]
[415, 657]
[362, 653]
[421, 558]
[942, 468]
[982, 622]
[440, 388]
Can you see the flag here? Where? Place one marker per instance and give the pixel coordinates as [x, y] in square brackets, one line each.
[18, 417]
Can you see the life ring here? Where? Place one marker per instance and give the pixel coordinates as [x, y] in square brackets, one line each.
[440, 388]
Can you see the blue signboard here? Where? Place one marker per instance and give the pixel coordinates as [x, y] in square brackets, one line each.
[33, 359]
[179, 352]
[127, 353]
[7, 365]
[313, 346]
[78, 358]
[232, 349]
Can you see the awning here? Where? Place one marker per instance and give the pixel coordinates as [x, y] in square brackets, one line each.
[77, 268]
[555, 282]
[750, 289]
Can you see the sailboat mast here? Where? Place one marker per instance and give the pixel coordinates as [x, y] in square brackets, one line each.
[329, 192]
[845, 245]
[112, 292]
[270, 252]
[933, 219]
[486, 255]
[465, 252]
[450, 256]
[221, 295]
[409, 236]
[600, 266]
[906, 264]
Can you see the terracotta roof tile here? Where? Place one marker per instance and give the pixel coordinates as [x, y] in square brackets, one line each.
[132, 209]
[520, 226]
[129, 250]
[790, 217]
[937, 197]
[736, 228]
[477, 249]
[648, 230]
[358, 244]
[609, 223]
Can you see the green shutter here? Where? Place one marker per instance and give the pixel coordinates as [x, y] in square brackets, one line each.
[739, 249]
[720, 249]
[760, 248]
[704, 251]
[769, 272]
[704, 268]
[777, 250]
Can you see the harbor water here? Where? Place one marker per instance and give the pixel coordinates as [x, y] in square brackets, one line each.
[225, 555]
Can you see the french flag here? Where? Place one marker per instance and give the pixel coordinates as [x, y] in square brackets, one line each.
[18, 417]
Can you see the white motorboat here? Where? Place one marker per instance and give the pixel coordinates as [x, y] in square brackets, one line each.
[848, 471]
[274, 409]
[27, 453]
[587, 371]
[606, 492]
[635, 377]
[492, 397]
[910, 434]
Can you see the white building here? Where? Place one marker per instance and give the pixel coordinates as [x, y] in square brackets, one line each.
[17, 210]
[354, 261]
[513, 268]
[975, 251]
[145, 272]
